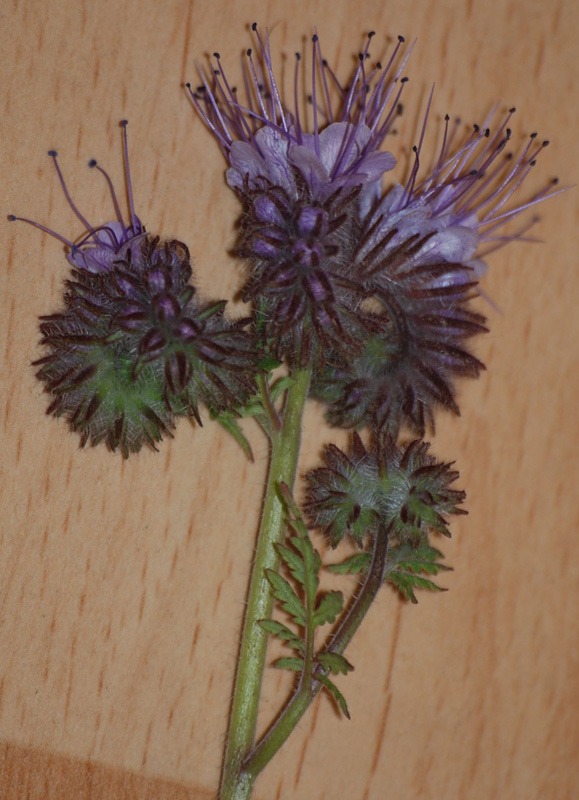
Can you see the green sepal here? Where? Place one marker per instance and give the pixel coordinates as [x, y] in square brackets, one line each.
[360, 562]
[336, 694]
[336, 663]
[295, 664]
[328, 608]
[276, 628]
[287, 598]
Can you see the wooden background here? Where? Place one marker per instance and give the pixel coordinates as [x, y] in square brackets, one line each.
[122, 584]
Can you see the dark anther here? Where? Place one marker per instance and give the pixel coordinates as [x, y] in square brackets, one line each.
[401, 39]
[512, 110]
[254, 26]
[399, 109]
[533, 136]
[92, 163]
[249, 51]
[476, 128]
[404, 80]
[124, 123]
[378, 65]
[546, 143]
[11, 217]
[52, 153]
[532, 163]
[446, 118]
[217, 56]
[487, 133]
[298, 57]
[372, 33]
[315, 37]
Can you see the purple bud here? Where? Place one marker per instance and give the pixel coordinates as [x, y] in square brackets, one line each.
[156, 281]
[187, 329]
[167, 307]
[152, 343]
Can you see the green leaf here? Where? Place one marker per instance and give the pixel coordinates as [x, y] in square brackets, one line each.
[293, 561]
[295, 664]
[328, 608]
[282, 632]
[286, 596]
[278, 387]
[311, 561]
[232, 426]
[336, 694]
[406, 563]
[360, 562]
[336, 663]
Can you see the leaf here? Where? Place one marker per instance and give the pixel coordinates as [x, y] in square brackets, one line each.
[311, 561]
[282, 632]
[336, 694]
[406, 563]
[295, 664]
[278, 387]
[336, 663]
[286, 596]
[293, 561]
[328, 608]
[360, 562]
[232, 426]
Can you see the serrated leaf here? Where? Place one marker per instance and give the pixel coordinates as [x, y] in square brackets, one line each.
[336, 694]
[336, 663]
[406, 582]
[286, 596]
[232, 426]
[282, 632]
[360, 562]
[279, 387]
[311, 562]
[328, 608]
[406, 563]
[295, 664]
[293, 561]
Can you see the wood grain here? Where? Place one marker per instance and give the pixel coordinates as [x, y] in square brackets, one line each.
[122, 584]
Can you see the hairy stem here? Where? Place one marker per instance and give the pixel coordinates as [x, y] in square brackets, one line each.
[307, 690]
[285, 447]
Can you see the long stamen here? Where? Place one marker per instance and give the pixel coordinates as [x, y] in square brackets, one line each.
[53, 154]
[62, 239]
[93, 163]
[134, 224]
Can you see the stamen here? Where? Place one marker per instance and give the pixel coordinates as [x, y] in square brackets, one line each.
[53, 154]
[134, 224]
[93, 163]
[67, 242]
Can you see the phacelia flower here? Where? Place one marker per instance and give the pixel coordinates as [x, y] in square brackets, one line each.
[133, 349]
[404, 490]
[96, 249]
[419, 257]
[304, 191]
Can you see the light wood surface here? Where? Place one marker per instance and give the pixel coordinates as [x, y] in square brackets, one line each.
[122, 584]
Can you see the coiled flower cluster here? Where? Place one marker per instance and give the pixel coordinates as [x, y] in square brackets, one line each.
[133, 349]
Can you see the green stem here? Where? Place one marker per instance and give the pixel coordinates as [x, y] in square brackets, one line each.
[307, 690]
[285, 447]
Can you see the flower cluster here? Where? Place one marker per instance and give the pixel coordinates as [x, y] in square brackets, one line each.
[401, 489]
[133, 349]
[372, 290]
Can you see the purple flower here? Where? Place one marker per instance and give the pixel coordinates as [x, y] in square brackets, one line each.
[99, 246]
[419, 257]
[460, 205]
[304, 192]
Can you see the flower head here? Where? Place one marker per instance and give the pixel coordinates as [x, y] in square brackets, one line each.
[304, 191]
[402, 489]
[419, 257]
[133, 348]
